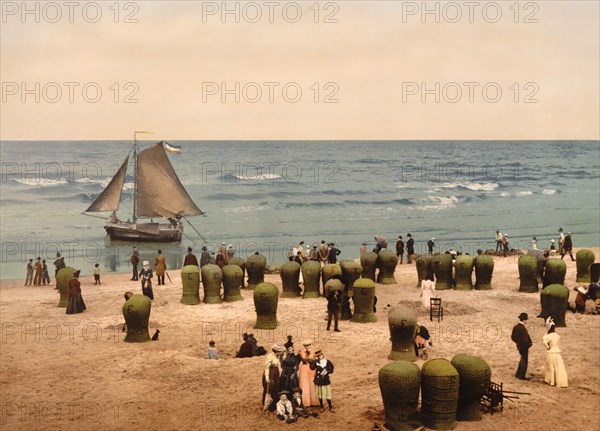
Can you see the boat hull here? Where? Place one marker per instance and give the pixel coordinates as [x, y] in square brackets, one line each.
[144, 232]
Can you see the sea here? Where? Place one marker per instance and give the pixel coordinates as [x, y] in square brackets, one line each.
[267, 196]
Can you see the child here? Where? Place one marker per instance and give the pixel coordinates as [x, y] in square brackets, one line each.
[285, 411]
[212, 352]
[97, 274]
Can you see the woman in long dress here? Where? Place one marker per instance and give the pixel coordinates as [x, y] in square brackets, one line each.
[427, 292]
[75, 302]
[307, 376]
[555, 373]
[289, 371]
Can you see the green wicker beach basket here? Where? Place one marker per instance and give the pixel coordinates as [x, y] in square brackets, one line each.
[424, 268]
[364, 296]
[403, 329]
[290, 279]
[212, 276]
[328, 271]
[475, 375]
[555, 272]
[442, 268]
[368, 261]
[584, 259]
[136, 311]
[255, 266]
[555, 300]
[242, 264]
[484, 268]
[190, 280]
[62, 283]
[386, 263]
[232, 282]
[400, 384]
[266, 297]
[439, 397]
[351, 271]
[528, 272]
[463, 268]
[311, 271]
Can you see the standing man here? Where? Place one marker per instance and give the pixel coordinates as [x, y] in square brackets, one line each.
[561, 240]
[225, 253]
[204, 257]
[322, 381]
[323, 253]
[135, 260]
[59, 263]
[567, 247]
[313, 254]
[430, 245]
[505, 244]
[37, 278]
[333, 253]
[523, 341]
[498, 240]
[333, 309]
[410, 248]
[29, 277]
[190, 258]
[400, 249]
[160, 267]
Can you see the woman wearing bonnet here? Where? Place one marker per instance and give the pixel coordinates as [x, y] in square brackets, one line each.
[555, 373]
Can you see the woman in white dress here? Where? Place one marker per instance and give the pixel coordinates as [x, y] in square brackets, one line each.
[427, 292]
[555, 373]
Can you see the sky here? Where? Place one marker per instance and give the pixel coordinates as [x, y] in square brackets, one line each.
[339, 70]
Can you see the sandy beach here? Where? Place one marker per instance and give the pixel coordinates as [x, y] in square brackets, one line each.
[74, 372]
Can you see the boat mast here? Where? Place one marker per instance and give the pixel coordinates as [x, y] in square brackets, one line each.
[135, 151]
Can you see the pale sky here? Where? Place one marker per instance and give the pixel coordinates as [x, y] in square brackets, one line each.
[379, 61]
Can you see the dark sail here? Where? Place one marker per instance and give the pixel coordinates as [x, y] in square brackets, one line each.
[159, 191]
[110, 197]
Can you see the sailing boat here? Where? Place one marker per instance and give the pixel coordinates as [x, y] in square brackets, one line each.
[157, 192]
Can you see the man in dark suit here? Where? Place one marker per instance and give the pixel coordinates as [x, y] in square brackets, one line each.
[523, 341]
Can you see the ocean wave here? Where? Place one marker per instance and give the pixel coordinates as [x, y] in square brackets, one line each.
[252, 178]
[504, 194]
[524, 193]
[434, 203]
[549, 191]
[476, 187]
[40, 182]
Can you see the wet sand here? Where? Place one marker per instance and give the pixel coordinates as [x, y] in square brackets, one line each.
[74, 372]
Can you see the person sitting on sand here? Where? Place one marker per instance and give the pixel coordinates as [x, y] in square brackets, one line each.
[582, 297]
[285, 410]
[212, 352]
[422, 339]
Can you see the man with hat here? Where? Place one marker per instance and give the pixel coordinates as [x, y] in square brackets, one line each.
[135, 260]
[204, 257]
[324, 253]
[334, 252]
[29, 277]
[146, 276]
[561, 240]
[59, 263]
[271, 377]
[313, 254]
[323, 368]
[430, 245]
[523, 341]
[567, 247]
[190, 258]
[410, 248]
[399, 249]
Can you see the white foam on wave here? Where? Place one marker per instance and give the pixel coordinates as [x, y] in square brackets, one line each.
[438, 202]
[524, 193]
[549, 191]
[40, 182]
[504, 194]
[477, 187]
[261, 177]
